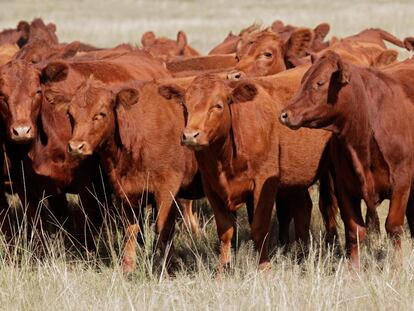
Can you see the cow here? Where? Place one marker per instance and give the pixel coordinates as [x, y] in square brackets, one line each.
[168, 49]
[229, 44]
[18, 36]
[318, 34]
[39, 140]
[263, 53]
[370, 113]
[40, 51]
[136, 133]
[244, 156]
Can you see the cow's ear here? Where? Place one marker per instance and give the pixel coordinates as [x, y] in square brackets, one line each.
[127, 97]
[51, 27]
[181, 40]
[385, 58]
[409, 43]
[172, 91]
[55, 72]
[243, 92]
[148, 38]
[238, 49]
[24, 28]
[322, 30]
[71, 49]
[313, 57]
[278, 26]
[298, 43]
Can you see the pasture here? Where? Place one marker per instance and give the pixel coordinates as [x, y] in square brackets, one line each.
[65, 279]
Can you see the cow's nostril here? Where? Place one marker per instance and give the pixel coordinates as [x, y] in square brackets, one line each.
[28, 130]
[70, 148]
[15, 132]
[183, 137]
[81, 146]
[238, 76]
[196, 134]
[284, 115]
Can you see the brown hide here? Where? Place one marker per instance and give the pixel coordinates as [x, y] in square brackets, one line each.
[136, 132]
[370, 113]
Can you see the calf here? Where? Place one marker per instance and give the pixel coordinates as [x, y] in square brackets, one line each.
[136, 134]
[370, 113]
[245, 157]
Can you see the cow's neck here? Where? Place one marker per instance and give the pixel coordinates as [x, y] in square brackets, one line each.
[354, 129]
[223, 169]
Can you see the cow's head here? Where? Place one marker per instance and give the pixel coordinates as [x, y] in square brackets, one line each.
[40, 31]
[93, 112]
[314, 105]
[208, 103]
[167, 48]
[21, 95]
[20, 99]
[41, 50]
[266, 53]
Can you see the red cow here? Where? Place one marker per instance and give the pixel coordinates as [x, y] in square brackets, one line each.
[370, 113]
[245, 157]
[167, 49]
[46, 164]
[136, 134]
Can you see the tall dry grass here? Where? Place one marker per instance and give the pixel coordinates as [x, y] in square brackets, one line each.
[63, 276]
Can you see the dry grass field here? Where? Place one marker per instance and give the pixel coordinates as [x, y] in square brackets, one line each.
[64, 280]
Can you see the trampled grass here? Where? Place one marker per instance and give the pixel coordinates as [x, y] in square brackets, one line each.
[64, 279]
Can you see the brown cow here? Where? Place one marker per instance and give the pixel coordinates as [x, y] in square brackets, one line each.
[318, 34]
[229, 45]
[137, 135]
[245, 157]
[167, 49]
[266, 53]
[25, 33]
[18, 36]
[370, 113]
[40, 31]
[263, 54]
[45, 158]
[41, 50]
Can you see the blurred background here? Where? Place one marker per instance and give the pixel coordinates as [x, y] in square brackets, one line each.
[109, 22]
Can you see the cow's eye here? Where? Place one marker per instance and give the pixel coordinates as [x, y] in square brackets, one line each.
[38, 94]
[268, 54]
[99, 116]
[320, 83]
[218, 106]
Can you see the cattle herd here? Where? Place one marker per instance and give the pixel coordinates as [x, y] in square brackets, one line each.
[261, 118]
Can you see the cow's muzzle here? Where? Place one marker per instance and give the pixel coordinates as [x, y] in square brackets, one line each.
[79, 148]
